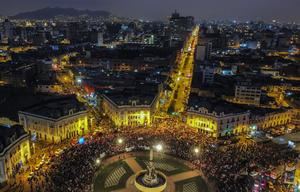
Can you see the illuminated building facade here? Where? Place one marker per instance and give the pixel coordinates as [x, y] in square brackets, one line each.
[55, 120]
[132, 112]
[266, 119]
[217, 125]
[14, 150]
[216, 117]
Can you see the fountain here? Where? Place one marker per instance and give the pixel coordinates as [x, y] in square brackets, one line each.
[150, 180]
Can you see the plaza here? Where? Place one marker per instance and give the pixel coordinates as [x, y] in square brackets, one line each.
[119, 176]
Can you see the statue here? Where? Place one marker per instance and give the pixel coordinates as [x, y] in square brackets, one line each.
[150, 177]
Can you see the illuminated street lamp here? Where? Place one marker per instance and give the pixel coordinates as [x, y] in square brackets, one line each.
[197, 151]
[159, 147]
[98, 161]
[120, 141]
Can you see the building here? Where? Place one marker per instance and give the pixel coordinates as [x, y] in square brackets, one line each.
[55, 120]
[129, 110]
[100, 41]
[179, 26]
[14, 150]
[264, 118]
[247, 93]
[203, 51]
[217, 118]
[7, 34]
[48, 87]
[180, 23]
[148, 39]
[208, 74]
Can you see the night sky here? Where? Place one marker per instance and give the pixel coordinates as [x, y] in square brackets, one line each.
[282, 10]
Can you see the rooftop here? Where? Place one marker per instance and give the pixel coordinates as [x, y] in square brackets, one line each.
[132, 96]
[214, 105]
[10, 134]
[57, 107]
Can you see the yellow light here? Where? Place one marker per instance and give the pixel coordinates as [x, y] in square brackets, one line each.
[196, 150]
[120, 140]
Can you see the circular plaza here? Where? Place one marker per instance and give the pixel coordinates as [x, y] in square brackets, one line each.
[118, 173]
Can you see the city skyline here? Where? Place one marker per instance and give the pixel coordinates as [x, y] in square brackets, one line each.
[154, 10]
[140, 96]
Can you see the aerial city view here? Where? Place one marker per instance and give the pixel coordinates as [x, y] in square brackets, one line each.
[149, 96]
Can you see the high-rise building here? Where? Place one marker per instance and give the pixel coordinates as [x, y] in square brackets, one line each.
[203, 51]
[179, 26]
[100, 39]
[7, 34]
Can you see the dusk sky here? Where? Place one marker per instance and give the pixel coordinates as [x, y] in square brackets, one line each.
[282, 10]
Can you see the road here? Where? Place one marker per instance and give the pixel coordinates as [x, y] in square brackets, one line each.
[181, 77]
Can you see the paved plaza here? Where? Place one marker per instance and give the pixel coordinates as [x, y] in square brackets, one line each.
[119, 176]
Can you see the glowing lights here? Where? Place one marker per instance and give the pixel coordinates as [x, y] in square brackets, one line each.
[120, 141]
[159, 147]
[142, 114]
[197, 150]
[79, 80]
[98, 161]
[81, 140]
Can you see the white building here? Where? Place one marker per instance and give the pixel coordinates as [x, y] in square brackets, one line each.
[216, 118]
[55, 120]
[129, 111]
[14, 151]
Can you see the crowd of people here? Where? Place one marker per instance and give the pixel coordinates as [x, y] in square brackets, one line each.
[224, 166]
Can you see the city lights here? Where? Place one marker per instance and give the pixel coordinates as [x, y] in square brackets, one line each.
[85, 95]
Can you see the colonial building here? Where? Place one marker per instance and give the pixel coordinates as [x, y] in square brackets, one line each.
[55, 120]
[14, 150]
[264, 119]
[129, 110]
[217, 118]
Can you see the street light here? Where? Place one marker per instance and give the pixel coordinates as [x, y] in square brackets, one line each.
[159, 147]
[98, 161]
[120, 141]
[196, 150]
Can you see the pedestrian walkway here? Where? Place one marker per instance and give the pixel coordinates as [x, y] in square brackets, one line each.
[135, 167]
[184, 175]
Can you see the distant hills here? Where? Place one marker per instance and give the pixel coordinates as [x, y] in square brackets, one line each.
[49, 13]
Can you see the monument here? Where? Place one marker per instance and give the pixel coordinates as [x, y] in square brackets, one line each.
[150, 180]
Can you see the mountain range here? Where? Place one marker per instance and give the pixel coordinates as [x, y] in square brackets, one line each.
[49, 13]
